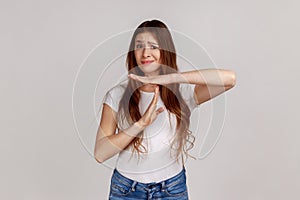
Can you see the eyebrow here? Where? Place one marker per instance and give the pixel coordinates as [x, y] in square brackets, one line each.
[141, 41]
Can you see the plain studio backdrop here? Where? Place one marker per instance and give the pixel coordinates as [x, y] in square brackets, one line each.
[44, 153]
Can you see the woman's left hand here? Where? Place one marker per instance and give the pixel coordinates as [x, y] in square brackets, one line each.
[159, 79]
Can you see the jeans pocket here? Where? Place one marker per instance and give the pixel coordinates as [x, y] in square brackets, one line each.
[120, 189]
[178, 188]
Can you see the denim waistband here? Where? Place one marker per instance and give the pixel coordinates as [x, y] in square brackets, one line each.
[148, 186]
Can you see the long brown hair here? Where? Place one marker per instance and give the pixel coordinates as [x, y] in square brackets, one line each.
[170, 95]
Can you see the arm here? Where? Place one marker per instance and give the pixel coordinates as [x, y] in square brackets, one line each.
[108, 143]
[209, 82]
[209, 77]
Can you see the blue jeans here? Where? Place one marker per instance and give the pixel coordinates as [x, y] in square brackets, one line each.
[123, 188]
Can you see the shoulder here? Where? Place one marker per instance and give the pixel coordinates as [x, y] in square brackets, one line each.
[187, 92]
[114, 95]
[186, 89]
[117, 90]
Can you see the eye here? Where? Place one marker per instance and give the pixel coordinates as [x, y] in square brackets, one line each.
[139, 46]
[154, 47]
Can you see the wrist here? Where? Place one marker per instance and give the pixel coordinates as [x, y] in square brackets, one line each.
[133, 130]
[139, 125]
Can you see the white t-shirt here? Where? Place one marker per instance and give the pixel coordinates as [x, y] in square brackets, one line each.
[158, 164]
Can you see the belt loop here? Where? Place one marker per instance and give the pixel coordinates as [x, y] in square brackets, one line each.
[133, 185]
[163, 185]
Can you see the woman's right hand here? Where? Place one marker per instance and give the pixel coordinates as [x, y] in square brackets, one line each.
[151, 112]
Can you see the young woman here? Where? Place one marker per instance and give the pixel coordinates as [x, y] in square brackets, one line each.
[146, 119]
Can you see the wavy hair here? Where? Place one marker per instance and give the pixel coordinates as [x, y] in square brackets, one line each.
[170, 95]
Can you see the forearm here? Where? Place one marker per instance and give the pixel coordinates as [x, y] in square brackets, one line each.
[109, 146]
[211, 77]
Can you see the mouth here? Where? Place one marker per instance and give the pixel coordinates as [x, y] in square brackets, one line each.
[146, 62]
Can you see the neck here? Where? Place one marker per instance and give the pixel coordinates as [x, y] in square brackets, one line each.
[151, 74]
[148, 87]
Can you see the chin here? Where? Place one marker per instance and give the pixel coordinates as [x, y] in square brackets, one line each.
[149, 69]
[150, 72]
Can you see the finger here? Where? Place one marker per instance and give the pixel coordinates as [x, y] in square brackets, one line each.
[161, 109]
[155, 98]
[152, 107]
[138, 78]
[132, 76]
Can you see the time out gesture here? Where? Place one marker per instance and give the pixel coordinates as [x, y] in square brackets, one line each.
[209, 82]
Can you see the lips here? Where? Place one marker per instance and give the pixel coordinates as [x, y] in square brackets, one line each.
[147, 62]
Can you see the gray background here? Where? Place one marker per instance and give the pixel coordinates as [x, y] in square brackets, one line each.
[43, 44]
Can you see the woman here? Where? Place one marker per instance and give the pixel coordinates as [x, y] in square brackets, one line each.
[146, 119]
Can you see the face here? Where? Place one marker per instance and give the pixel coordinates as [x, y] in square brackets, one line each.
[147, 53]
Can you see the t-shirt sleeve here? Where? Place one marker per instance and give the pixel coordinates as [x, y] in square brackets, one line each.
[113, 96]
[187, 93]
[109, 100]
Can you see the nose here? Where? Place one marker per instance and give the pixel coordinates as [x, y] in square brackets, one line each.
[146, 52]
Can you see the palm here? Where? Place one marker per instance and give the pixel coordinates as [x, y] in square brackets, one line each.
[159, 79]
[151, 113]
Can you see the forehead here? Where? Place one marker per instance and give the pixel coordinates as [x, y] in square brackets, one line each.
[145, 38]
